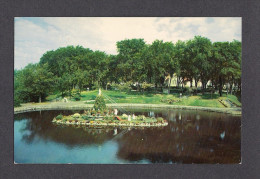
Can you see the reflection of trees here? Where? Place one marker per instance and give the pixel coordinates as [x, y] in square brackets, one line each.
[190, 137]
[182, 141]
[40, 125]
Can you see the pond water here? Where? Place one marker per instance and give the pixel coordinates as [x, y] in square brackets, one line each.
[190, 137]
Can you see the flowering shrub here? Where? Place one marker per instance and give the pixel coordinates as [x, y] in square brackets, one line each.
[76, 115]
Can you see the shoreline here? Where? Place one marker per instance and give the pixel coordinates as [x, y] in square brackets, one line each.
[111, 124]
[82, 106]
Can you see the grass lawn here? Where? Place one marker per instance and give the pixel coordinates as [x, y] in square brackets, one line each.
[206, 100]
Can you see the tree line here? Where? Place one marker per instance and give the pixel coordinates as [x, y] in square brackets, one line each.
[67, 68]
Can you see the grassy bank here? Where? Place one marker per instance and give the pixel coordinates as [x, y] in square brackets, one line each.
[206, 100]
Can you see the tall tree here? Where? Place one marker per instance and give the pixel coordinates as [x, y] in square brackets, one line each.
[201, 51]
[128, 56]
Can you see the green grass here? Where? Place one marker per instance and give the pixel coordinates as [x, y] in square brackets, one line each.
[234, 99]
[206, 100]
[51, 97]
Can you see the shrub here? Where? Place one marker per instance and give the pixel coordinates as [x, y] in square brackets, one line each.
[85, 117]
[171, 100]
[124, 116]
[122, 87]
[194, 90]
[160, 119]
[77, 97]
[76, 94]
[91, 119]
[76, 115]
[141, 117]
[147, 86]
[189, 91]
[59, 116]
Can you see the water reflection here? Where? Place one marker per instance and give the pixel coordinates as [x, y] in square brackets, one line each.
[115, 131]
[190, 137]
[222, 135]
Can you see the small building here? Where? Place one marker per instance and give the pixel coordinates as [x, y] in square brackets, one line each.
[174, 82]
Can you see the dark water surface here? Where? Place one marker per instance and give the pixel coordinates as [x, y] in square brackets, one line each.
[190, 137]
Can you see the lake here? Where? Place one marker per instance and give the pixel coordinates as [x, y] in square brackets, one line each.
[190, 137]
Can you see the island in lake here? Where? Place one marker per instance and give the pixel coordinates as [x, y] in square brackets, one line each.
[101, 116]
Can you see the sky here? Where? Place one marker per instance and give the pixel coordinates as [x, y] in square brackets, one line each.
[36, 35]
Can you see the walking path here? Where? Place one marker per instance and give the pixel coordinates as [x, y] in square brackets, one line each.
[81, 105]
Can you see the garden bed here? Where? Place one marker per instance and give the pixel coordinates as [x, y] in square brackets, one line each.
[109, 120]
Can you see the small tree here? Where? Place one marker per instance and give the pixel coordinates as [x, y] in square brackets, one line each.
[100, 103]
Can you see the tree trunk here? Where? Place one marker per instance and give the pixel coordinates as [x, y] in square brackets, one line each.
[203, 85]
[227, 87]
[220, 86]
[196, 85]
[231, 88]
[191, 83]
[169, 84]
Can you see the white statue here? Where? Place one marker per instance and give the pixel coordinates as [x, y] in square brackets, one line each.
[133, 116]
[65, 100]
[115, 111]
[99, 92]
[129, 118]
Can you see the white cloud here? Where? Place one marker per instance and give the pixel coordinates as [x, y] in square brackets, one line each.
[35, 36]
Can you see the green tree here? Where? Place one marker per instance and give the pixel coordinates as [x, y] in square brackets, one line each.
[33, 82]
[129, 53]
[163, 61]
[43, 81]
[226, 64]
[99, 104]
[201, 52]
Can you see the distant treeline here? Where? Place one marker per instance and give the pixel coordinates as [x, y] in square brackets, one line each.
[68, 67]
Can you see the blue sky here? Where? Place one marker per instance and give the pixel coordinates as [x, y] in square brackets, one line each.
[36, 35]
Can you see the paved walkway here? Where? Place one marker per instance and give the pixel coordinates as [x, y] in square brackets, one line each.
[72, 105]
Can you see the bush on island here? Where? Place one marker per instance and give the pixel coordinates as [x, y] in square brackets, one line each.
[141, 117]
[85, 117]
[99, 103]
[59, 116]
[76, 115]
[159, 119]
